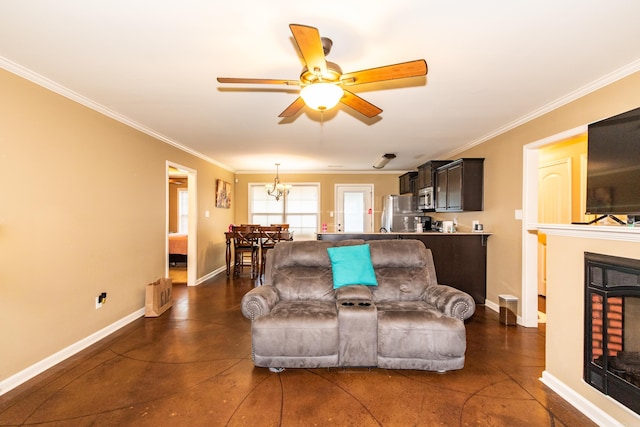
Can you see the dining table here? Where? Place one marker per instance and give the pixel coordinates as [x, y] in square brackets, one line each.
[257, 235]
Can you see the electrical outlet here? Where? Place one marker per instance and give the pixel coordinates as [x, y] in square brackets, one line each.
[101, 299]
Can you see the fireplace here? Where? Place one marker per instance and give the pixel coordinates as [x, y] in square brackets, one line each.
[612, 327]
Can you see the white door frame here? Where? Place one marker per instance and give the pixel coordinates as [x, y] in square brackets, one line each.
[356, 187]
[529, 223]
[192, 234]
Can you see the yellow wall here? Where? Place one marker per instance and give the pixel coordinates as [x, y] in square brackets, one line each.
[82, 211]
[573, 149]
[384, 183]
[173, 204]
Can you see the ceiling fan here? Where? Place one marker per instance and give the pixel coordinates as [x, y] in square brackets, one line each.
[321, 78]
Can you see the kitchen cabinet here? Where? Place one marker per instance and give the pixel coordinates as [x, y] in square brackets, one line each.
[460, 259]
[427, 173]
[459, 186]
[408, 182]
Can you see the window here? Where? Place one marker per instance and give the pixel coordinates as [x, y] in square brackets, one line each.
[183, 211]
[300, 209]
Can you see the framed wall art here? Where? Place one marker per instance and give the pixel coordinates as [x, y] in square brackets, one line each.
[223, 194]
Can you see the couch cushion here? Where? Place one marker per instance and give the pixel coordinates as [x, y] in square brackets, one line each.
[420, 334]
[303, 283]
[399, 284]
[301, 270]
[404, 269]
[309, 253]
[297, 329]
[351, 265]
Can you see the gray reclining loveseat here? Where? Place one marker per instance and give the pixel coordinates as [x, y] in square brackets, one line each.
[407, 321]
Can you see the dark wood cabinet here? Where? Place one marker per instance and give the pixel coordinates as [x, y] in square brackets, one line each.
[408, 183]
[427, 172]
[460, 258]
[460, 186]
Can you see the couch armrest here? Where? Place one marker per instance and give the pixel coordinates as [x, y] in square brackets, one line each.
[451, 301]
[358, 292]
[259, 301]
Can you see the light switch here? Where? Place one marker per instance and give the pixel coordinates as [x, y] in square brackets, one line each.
[518, 213]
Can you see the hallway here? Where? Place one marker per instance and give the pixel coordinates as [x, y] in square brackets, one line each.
[192, 367]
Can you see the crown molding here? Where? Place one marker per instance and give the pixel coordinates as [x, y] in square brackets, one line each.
[49, 84]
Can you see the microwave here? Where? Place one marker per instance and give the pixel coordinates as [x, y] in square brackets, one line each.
[425, 199]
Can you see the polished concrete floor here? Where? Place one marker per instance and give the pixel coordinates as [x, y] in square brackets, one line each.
[192, 367]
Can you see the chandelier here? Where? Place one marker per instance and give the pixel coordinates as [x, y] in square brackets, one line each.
[277, 189]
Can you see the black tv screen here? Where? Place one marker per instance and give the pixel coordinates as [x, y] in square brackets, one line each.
[613, 165]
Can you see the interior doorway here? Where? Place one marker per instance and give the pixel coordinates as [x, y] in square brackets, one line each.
[530, 217]
[554, 207]
[354, 208]
[181, 220]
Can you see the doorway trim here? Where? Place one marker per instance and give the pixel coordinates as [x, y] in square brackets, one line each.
[363, 188]
[192, 234]
[530, 223]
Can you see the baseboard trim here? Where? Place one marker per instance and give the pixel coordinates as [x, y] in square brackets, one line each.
[590, 410]
[210, 275]
[25, 375]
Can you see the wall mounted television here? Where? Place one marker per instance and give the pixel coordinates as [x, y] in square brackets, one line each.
[613, 165]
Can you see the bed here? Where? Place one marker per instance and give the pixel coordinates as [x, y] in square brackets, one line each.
[177, 248]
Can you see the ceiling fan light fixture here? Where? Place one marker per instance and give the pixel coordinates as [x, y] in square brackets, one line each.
[321, 96]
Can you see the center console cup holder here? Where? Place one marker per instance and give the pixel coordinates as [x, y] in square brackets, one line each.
[351, 304]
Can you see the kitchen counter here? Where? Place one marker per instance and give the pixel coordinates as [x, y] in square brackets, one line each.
[460, 258]
[484, 233]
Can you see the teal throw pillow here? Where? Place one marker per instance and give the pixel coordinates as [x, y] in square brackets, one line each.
[351, 265]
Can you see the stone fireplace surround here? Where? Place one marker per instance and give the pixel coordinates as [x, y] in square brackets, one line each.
[565, 331]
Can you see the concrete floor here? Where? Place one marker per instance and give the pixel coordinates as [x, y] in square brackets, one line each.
[192, 367]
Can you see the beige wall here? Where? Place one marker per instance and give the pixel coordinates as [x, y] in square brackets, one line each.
[82, 212]
[565, 314]
[503, 171]
[383, 182]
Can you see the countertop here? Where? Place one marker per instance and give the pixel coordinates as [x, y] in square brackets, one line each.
[470, 233]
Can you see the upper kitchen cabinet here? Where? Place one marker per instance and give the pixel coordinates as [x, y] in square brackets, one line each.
[427, 173]
[459, 186]
[408, 183]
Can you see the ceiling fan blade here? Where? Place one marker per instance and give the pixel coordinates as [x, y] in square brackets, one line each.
[359, 104]
[258, 81]
[310, 45]
[292, 109]
[388, 72]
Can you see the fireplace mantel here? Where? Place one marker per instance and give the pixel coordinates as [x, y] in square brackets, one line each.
[603, 232]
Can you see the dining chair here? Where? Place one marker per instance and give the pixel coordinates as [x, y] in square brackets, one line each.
[245, 246]
[282, 226]
[269, 236]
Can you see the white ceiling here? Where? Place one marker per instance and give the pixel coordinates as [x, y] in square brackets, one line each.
[153, 64]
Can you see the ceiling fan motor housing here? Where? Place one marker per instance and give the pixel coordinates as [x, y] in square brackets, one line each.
[308, 77]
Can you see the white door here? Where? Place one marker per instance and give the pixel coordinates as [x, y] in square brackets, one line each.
[354, 208]
[554, 207]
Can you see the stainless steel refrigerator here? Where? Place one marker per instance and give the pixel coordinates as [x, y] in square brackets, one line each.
[400, 213]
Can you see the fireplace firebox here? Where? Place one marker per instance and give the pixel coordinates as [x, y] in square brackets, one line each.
[612, 327]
